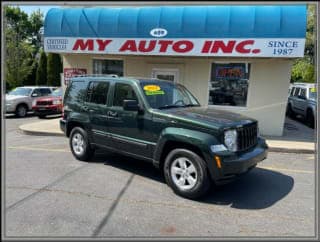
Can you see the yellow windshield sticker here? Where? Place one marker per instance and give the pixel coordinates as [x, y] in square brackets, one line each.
[151, 88]
[313, 89]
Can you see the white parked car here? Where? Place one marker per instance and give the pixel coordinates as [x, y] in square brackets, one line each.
[302, 101]
[20, 99]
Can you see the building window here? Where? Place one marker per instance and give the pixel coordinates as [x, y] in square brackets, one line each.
[108, 67]
[229, 84]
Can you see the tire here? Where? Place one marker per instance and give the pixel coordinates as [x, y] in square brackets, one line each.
[79, 144]
[310, 119]
[197, 173]
[21, 111]
[41, 116]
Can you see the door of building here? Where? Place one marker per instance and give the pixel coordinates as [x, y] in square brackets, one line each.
[166, 74]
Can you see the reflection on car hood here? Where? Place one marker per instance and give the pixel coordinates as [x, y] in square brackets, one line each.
[208, 117]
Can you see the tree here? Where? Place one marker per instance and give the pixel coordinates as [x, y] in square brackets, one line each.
[41, 75]
[54, 68]
[18, 56]
[36, 22]
[22, 43]
[303, 69]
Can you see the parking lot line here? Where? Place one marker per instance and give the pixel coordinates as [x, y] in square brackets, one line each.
[284, 169]
[35, 149]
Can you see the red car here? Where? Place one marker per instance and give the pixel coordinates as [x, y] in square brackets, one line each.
[48, 105]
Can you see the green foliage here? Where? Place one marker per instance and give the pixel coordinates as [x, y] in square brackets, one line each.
[54, 68]
[22, 43]
[303, 69]
[41, 75]
[18, 56]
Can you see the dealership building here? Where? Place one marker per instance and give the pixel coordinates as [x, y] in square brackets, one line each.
[235, 58]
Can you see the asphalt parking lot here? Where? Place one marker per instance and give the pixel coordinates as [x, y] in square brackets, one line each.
[50, 194]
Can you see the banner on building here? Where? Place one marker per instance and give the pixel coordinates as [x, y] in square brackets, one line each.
[255, 47]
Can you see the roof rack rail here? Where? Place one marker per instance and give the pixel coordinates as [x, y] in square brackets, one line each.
[97, 75]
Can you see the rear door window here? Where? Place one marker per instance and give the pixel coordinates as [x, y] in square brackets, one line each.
[296, 92]
[98, 92]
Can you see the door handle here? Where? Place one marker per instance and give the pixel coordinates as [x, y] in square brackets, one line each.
[112, 114]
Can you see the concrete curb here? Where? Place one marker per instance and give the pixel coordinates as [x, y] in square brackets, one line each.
[290, 150]
[40, 133]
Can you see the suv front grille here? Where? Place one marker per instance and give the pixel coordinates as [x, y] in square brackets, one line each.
[43, 103]
[247, 136]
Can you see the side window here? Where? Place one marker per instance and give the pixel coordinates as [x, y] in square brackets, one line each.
[75, 92]
[36, 91]
[303, 92]
[296, 92]
[97, 92]
[292, 91]
[122, 92]
[45, 91]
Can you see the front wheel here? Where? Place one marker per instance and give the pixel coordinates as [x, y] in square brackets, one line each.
[186, 173]
[21, 111]
[79, 144]
[310, 119]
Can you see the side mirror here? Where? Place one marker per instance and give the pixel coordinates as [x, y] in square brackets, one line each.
[131, 105]
[34, 95]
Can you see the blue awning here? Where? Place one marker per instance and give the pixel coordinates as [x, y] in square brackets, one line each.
[277, 21]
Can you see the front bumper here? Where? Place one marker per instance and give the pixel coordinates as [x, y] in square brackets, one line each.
[47, 110]
[232, 166]
[10, 108]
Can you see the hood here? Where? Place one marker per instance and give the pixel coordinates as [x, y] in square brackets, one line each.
[208, 117]
[14, 97]
[49, 98]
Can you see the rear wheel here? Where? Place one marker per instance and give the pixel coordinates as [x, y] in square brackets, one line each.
[186, 173]
[79, 144]
[21, 111]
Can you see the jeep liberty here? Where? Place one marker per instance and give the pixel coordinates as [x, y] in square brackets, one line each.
[163, 123]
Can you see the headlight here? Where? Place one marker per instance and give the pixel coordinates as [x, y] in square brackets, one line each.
[34, 102]
[56, 102]
[230, 139]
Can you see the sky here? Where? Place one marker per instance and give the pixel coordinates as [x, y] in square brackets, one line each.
[43, 8]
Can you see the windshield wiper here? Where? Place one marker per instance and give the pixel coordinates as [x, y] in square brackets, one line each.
[192, 105]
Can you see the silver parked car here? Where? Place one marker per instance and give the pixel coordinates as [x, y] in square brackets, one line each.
[20, 99]
[302, 100]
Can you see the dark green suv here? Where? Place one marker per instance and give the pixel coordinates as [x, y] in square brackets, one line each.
[163, 123]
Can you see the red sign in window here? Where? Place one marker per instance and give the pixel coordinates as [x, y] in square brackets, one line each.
[71, 72]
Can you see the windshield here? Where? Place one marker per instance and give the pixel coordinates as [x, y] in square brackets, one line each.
[162, 95]
[20, 91]
[312, 93]
[57, 93]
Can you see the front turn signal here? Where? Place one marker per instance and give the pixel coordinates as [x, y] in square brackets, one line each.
[218, 161]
